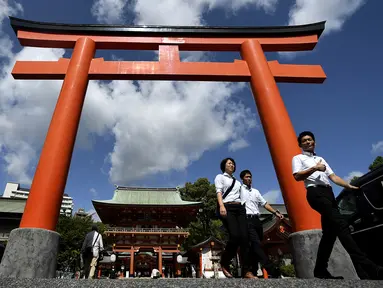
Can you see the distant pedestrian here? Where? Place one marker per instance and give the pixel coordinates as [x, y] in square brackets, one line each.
[91, 248]
[155, 273]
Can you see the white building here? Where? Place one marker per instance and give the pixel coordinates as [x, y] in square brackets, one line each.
[13, 190]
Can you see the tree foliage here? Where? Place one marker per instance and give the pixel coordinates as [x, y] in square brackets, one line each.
[288, 270]
[206, 224]
[377, 162]
[354, 179]
[72, 232]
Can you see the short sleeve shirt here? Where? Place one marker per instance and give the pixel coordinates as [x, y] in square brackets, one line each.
[252, 198]
[308, 160]
[222, 182]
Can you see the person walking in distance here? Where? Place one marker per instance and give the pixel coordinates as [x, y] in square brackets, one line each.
[317, 174]
[253, 198]
[90, 251]
[233, 215]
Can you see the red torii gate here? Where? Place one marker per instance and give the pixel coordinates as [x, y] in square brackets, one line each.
[43, 205]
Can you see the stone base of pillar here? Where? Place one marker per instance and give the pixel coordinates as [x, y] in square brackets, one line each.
[304, 247]
[30, 253]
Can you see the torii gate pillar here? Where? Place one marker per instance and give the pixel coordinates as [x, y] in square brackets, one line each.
[32, 249]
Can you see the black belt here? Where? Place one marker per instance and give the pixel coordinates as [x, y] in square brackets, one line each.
[252, 215]
[319, 185]
[232, 202]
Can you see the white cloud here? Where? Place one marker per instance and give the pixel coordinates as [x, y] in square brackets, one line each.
[377, 147]
[7, 9]
[162, 12]
[335, 12]
[182, 119]
[109, 11]
[238, 144]
[165, 126]
[190, 12]
[25, 109]
[93, 192]
[352, 175]
[94, 215]
[273, 197]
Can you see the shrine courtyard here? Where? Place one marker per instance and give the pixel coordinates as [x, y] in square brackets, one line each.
[189, 283]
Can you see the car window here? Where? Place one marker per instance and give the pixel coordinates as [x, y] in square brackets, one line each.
[347, 204]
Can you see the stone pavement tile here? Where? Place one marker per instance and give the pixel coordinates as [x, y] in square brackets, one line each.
[187, 283]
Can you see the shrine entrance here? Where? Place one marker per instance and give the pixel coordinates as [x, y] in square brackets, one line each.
[43, 205]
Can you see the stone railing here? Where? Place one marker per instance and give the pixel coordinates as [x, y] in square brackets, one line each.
[150, 230]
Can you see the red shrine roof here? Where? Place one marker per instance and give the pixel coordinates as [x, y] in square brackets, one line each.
[142, 196]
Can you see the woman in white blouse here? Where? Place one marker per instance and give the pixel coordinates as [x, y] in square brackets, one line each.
[233, 215]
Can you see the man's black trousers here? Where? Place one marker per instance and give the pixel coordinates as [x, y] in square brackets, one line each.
[257, 254]
[87, 258]
[322, 200]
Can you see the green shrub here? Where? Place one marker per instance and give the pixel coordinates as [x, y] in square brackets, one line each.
[288, 270]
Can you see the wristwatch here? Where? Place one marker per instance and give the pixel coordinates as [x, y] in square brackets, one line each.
[276, 211]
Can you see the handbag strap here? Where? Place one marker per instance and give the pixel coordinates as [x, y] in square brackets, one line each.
[228, 190]
[98, 234]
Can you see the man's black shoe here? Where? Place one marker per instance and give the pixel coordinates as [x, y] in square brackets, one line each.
[379, 273]
[326, 275]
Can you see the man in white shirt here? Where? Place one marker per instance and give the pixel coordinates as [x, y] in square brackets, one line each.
[253, 198]
[90, 251]
[155, 274]
[316, 174]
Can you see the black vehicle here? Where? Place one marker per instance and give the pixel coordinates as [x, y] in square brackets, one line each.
[363, 209]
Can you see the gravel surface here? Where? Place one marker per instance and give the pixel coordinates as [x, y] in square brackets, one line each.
[189, 283]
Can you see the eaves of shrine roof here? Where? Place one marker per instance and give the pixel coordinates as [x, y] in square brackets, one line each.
[168, 31]
[143, 196]
[207, 241]
[12, 205]
[280, 207]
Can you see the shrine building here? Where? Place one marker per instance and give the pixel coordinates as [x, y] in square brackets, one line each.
[145, 228]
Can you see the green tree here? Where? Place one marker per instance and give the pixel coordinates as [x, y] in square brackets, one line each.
[72, 232]
[377, 162]
[206, 224]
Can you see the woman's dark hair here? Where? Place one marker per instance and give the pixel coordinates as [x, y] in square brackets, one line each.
[303, 134]
[243, 173]
[223, 164]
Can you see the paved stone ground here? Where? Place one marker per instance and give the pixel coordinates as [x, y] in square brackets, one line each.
[187, 283]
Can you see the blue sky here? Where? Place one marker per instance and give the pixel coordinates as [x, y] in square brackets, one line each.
[166, 134]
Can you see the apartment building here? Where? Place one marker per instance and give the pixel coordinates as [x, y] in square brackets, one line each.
[13, 190]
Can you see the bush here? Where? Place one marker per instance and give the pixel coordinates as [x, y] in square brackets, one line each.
[288, 270]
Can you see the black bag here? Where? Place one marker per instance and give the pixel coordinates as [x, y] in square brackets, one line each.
[88, 251]
[223, 197]
[100, 255]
